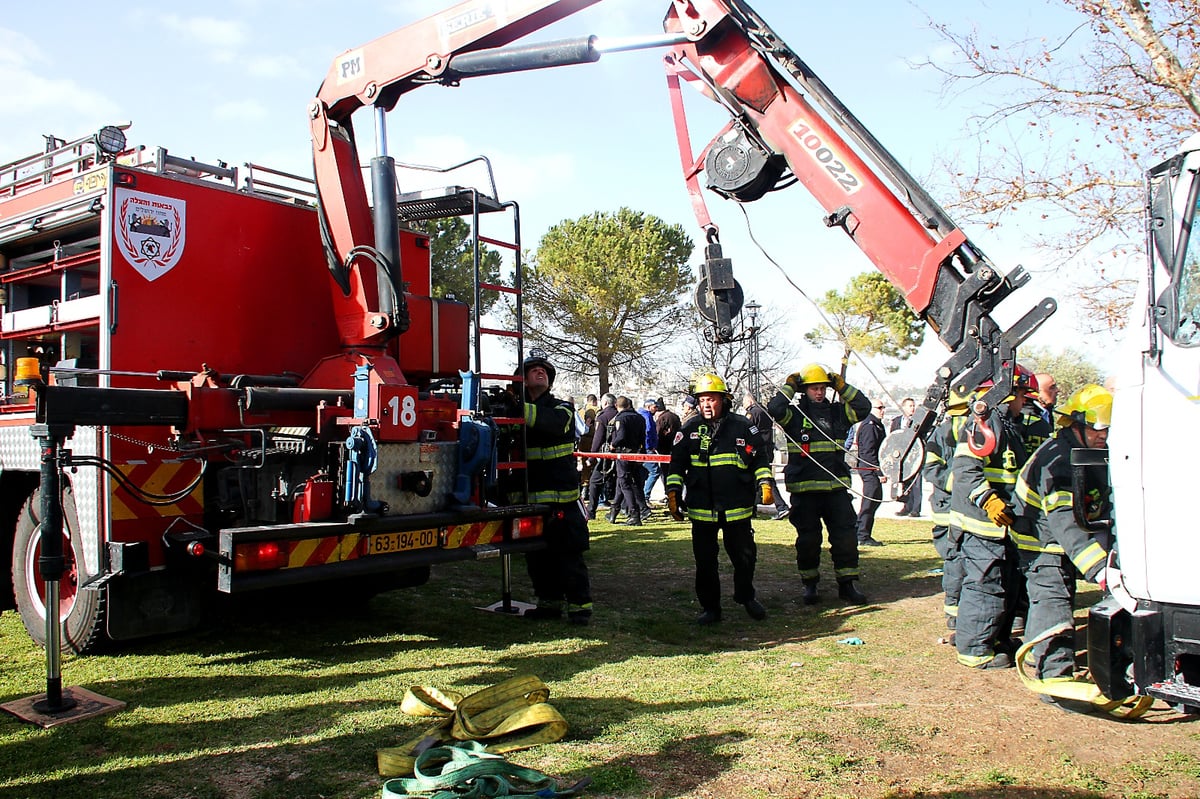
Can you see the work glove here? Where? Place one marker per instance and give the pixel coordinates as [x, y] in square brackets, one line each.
[998, 511]
[837, 381]
[766, 493]
[795, 380]
[674, 506]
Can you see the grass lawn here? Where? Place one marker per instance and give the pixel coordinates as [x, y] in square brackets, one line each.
[292, 698]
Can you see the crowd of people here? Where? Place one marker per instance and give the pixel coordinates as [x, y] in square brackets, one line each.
[1004, 521]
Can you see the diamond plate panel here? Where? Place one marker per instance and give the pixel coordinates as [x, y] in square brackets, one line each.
[19, 452]
[441, 458]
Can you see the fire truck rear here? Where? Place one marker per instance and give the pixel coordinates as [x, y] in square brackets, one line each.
[171, 342]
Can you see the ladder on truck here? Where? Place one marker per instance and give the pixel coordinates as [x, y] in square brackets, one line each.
[470, 203]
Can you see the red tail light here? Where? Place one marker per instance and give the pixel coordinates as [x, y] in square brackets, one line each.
[259, 556]
[527, 527]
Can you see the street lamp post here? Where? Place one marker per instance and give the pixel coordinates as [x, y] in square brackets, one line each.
[752, 309]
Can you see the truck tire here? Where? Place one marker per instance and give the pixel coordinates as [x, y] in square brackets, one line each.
[81, 611]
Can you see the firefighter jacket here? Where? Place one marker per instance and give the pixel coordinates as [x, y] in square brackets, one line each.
[939, 455]
[719, 463]
[976, 478]
[1034, 428]
[1045, 506]
[550, 450]
[815, 432]
[628, 432]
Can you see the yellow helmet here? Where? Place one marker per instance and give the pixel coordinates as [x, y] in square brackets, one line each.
[1090, 405]
[957, 404]
[814, 373]
[710, 383]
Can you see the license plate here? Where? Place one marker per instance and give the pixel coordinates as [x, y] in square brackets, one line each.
[389, 543]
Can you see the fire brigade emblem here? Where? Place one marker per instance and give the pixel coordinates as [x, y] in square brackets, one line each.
[150, 231]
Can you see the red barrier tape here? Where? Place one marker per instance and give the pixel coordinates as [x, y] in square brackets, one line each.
[637, 457]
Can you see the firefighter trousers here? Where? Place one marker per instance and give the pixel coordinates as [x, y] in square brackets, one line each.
[559, 571]
[948, 545]
[809, 510]
[743, 554]
[986, 604]
[1050, 579]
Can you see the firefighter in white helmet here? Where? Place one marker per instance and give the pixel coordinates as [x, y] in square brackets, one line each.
[1053, 547]
[717, 458]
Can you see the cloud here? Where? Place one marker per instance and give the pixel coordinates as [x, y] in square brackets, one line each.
[17, 48]
[211, 32]
[518, 176]
[280, 66]
[35, 104]
[240, 111]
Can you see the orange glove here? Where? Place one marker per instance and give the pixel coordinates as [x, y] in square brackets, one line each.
[837, 381]
[795, 380]
[998, 511]
[673, 506]
[766, 495]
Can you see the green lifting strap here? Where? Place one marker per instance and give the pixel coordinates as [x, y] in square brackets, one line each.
[467, 770]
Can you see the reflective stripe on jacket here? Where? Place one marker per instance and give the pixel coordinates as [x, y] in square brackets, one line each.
[1045, 505]
[718, 463]
[549, 450]
[815, 432]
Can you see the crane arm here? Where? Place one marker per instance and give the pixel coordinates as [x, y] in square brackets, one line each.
[443, 48]
[786, 124]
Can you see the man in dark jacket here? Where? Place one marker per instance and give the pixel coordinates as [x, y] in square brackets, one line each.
[557, 572]
[717, 461]
[628, 437]
[667, 423]
[869, 437]
[761, 420]
[909, 491]
[817, 476]
[603, 480]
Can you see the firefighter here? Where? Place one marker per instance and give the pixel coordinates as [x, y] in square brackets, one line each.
[716, 458]
[1052, 545]
[939, 454]
[557, 572]
[1035, 429]
[981, 508]
[816, 474]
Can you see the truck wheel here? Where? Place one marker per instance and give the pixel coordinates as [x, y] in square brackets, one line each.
[82, 612]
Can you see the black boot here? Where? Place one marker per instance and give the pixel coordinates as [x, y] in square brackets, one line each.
[612, 516]
[708, 617]
[756, 610]
[810, 592]
[633, 521]
[848, 592]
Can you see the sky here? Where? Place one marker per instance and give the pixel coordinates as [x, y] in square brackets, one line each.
[230, 80]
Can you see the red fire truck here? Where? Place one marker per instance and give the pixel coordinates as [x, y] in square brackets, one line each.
[225, 419]
[264, 375]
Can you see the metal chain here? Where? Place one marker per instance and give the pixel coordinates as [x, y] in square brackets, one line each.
[170, 447]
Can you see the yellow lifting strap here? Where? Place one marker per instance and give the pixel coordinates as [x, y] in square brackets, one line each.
[1079, 690]
[508, 716]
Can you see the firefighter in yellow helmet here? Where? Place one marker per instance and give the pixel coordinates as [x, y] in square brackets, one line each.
[720, 469]
[817, 476]
[1053, 547]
